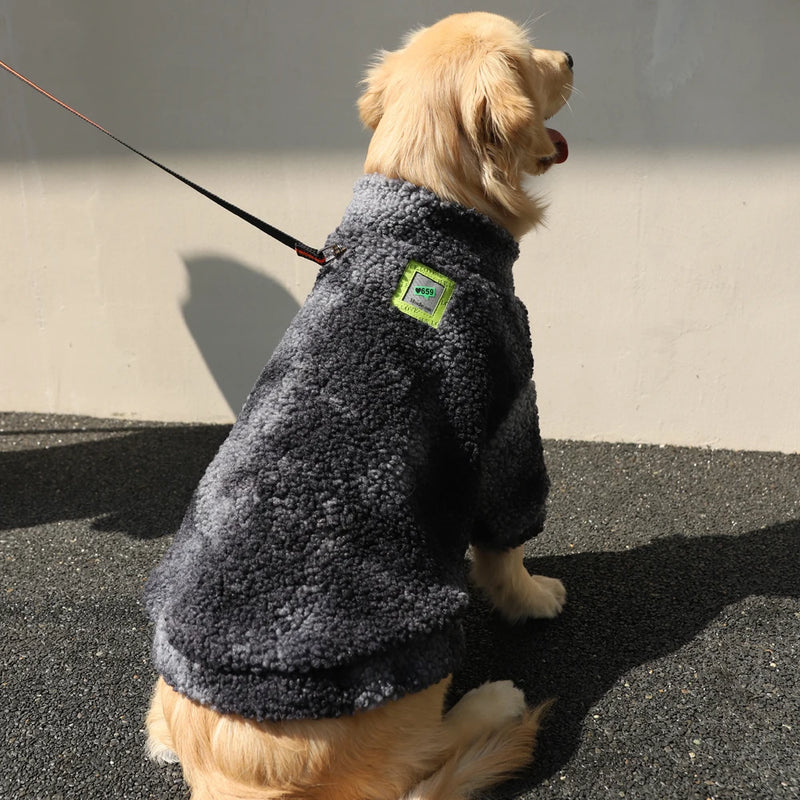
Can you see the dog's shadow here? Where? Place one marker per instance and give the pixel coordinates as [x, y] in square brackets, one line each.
[625, 609]
[237, 316]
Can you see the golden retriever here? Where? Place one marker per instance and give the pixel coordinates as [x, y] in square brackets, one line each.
[459, 110]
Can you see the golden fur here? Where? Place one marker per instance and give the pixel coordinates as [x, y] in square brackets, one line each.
[459, 110]
[406, 749]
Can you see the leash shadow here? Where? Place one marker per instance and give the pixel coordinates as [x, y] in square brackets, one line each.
[625, 609]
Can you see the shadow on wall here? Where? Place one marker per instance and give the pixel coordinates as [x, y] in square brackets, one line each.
[236, 316]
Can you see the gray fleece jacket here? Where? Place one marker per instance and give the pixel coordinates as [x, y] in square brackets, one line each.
[320, 566]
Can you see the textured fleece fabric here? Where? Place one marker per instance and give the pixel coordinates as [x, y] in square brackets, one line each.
[320, 567]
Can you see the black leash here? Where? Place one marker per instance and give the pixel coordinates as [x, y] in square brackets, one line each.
[303, 250]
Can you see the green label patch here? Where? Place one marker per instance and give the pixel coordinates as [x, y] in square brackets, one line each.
[423, 293]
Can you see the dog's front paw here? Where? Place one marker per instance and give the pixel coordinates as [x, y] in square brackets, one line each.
[512, 590]
[546, 600]
[530, 597]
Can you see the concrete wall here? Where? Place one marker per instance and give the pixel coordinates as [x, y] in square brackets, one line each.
[664, 293]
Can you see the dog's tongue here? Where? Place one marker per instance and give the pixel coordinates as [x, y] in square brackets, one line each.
[562, 149]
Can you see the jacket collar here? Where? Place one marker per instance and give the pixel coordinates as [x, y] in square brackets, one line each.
[417, 224]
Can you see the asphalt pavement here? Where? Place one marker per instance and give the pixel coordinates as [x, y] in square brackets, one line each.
[675, 663]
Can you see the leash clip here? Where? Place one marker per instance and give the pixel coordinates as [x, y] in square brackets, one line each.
[320, 257]
[333, 251]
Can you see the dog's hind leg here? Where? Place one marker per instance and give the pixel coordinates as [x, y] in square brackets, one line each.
[159, 741]
[490, 735]
[487, 708]
[511, 589]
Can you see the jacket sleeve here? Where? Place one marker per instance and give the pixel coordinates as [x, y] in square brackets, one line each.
[513, 481]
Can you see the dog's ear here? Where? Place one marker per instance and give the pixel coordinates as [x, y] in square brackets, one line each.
[370, 104]
[500, 120]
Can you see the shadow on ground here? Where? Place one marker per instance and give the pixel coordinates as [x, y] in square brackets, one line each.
[625, 609]
[138, 482]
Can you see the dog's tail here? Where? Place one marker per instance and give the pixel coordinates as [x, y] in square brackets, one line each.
[494, 757]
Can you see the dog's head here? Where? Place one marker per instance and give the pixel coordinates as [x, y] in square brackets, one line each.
[460, 110]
